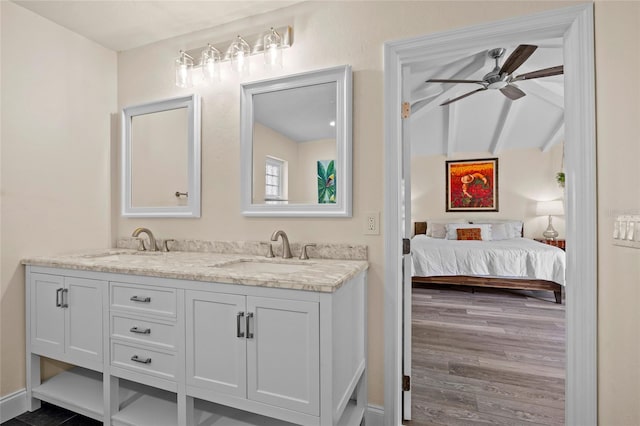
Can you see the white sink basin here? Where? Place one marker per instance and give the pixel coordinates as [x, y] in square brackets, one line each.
[125, 256]
[257, 267]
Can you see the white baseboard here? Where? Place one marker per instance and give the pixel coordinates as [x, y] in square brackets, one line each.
[375, 415]
[13, 405]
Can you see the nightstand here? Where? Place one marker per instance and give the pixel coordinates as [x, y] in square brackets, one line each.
[556, 243]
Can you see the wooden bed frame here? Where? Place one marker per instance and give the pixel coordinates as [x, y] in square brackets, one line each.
[508, 283]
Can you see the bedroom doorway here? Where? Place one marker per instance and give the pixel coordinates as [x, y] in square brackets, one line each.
[574, 27]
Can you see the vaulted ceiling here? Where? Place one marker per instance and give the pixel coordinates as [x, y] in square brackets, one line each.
[486, 121]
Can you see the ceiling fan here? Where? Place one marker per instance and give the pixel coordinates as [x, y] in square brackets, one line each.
[502, 78]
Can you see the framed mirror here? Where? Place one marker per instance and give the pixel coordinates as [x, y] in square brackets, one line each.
[296, 145]
[161, 158]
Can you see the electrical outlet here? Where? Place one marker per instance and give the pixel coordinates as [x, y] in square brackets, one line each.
[372, 223]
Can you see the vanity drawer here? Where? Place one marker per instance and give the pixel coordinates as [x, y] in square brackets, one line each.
[143, 360]
[144, 330]
[143, 299]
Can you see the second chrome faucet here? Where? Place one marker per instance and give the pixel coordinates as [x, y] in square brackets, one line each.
[286, 250]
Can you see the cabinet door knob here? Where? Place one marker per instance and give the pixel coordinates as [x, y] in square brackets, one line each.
[239, 332]
[140, 299]
[140, 330]
[135, 358]
[249, 333]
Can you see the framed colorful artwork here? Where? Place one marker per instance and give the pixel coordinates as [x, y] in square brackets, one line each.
[326, 182]
[472, 185]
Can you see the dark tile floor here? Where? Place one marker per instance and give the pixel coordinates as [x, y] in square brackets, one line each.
[50, 415]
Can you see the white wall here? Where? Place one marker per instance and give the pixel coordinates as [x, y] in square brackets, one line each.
[525, 176]
[57, 93]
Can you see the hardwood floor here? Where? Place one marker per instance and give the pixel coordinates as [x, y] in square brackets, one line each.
[488, 357]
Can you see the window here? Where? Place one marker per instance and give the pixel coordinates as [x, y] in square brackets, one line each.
[274, 191]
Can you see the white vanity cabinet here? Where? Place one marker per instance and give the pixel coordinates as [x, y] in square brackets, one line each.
[66, 318]
[177, 352]
[256, 348]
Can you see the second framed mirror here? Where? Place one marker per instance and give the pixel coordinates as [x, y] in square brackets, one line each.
[296, 145]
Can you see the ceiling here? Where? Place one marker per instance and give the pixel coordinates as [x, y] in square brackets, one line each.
[302, 114]
[125, 24]
[486, 121]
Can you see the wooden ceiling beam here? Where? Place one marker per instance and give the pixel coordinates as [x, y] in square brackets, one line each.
[451, 128]
[556, 135]
[505, 121]
[536, 89]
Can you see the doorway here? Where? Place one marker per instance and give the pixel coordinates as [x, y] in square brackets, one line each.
[575, 26]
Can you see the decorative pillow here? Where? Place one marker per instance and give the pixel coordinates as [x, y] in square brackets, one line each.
[438, 229]
[452, 230]
[469, 234]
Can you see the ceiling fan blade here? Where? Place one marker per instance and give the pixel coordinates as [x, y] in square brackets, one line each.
[512, 92]
[463, 96]
[517, 58]
[546, 72]
[441, 80]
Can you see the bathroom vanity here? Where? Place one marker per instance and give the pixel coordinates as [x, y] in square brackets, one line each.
[187, 338]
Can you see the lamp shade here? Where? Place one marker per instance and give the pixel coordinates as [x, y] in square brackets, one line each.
[550, 208]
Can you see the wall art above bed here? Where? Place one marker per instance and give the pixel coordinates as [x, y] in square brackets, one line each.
[472, 185]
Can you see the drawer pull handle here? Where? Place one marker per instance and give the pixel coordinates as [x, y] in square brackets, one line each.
[65, 298]
[249, 333]
[140, 299]
[239, 333]
[58, 301]
[140, 360]
[140, 330]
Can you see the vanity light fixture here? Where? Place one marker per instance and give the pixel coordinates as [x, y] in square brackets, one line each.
[184, 70]
[210, 64]
[269, 43]
[332, 123]
[239, 53]
[272, 50]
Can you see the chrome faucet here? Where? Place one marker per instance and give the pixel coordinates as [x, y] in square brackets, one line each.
[152, 239]
[286, 250]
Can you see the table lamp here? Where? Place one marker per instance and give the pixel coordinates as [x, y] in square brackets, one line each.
[550, 208]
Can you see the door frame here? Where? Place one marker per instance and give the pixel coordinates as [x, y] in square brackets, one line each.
[575, 25]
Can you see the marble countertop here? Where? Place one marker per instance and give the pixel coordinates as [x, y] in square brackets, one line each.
[320, 275]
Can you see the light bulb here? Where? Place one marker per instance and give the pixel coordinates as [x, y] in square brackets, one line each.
[210, 64]
[184, 68]
[239, 52]
[272, 50]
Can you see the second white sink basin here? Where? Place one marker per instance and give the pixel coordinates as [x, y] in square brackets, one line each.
[257, 267]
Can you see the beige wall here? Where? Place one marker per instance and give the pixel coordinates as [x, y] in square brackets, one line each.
[359, 29]
[159, 162]
[525, 176]
[57, 93]
[268, 142]
[309, 153]
[326, 34]
[618, 133]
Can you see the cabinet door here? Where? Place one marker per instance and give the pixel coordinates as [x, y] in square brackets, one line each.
[47, 316]
[283, 356]
[83, 323]
[216, 355]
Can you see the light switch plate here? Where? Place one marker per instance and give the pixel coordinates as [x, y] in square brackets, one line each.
[626, 230]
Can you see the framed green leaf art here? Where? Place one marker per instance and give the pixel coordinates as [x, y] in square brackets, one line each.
[326, 182]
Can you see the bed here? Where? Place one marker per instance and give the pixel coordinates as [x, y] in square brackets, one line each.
[510, 263]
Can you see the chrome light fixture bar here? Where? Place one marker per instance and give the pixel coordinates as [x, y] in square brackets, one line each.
[270, 43]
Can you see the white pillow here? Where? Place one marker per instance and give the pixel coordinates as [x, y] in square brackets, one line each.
[514, 227]
[452, 234]
[500, 231]
[437, 229]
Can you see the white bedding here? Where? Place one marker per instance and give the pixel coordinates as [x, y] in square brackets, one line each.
[513, 258]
